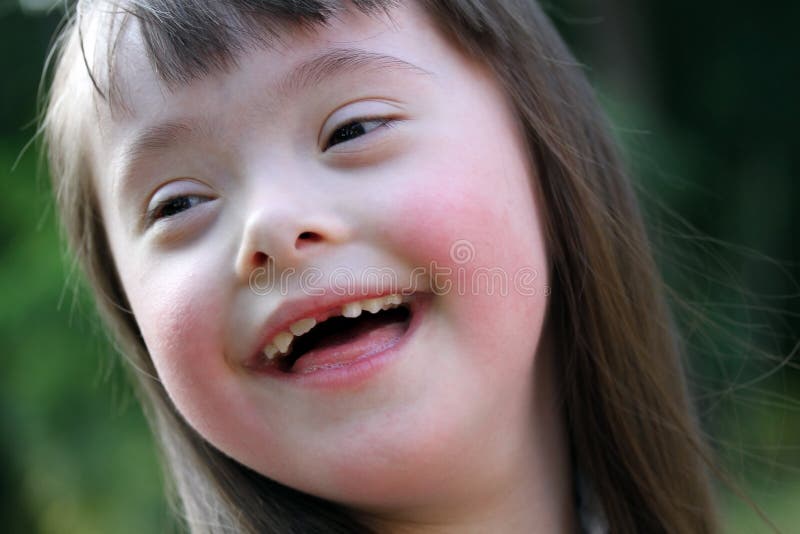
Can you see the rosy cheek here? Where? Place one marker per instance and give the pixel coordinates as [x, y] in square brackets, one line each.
[180, 316]
[183, 329]
[465, 226]
[438, 221]
[476, 225]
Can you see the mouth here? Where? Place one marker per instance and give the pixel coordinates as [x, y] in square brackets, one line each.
[339, 337]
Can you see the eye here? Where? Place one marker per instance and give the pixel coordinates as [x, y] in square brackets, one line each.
[354, 129]
[172, 206]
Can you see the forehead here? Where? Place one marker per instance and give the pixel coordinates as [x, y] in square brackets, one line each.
[139, 62]
[187, 39]
[145, 108]
[128, 48]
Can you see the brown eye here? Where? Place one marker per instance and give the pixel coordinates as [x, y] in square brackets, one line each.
[355, 129]
[174, 205]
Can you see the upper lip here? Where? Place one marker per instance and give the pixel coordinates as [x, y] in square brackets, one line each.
[308, 306]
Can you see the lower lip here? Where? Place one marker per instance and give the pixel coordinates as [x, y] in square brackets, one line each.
[352, 374]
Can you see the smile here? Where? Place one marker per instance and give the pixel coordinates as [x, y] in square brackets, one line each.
[343, 335]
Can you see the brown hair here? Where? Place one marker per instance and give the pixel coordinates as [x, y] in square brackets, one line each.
[623, 389]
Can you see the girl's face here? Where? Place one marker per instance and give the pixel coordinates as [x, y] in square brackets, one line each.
[247, 200]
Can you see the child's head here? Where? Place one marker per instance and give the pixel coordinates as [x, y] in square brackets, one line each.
[227, 171]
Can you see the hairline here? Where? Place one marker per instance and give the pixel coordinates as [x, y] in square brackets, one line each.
[234, 40]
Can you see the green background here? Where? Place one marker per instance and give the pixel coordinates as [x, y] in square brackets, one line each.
[704, 98]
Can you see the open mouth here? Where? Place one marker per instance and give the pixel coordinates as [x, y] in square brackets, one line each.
[359, 330]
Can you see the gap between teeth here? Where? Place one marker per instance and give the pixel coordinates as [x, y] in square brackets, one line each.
[281, 344]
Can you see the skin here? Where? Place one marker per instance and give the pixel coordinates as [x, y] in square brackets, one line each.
[462, 432]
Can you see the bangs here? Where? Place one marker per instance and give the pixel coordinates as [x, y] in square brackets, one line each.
[187, 39]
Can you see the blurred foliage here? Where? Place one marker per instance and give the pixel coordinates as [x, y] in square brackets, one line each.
[703, 98]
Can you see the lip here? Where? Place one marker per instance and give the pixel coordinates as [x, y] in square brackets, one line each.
[341, 376]
[319, 308]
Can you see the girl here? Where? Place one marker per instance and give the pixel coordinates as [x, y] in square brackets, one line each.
[231, 177]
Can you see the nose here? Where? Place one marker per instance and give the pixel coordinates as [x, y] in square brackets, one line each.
[286, 237]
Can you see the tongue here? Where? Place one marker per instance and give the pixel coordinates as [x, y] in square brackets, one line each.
[340, 349]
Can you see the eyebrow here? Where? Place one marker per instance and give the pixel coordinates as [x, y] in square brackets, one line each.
[331, 63]
[338, 60]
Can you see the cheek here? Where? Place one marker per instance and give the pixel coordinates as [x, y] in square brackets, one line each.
[179, 310]
[476, 215]
[175, 306]
[474, 221]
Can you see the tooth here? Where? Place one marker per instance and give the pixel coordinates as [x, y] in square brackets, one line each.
[302, 326]
[372, 305]
[270, 351]
[282, 341]
[351, 309]
[391, 301]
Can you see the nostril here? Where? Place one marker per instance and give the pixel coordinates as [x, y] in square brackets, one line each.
[307, 238]
[259, 259]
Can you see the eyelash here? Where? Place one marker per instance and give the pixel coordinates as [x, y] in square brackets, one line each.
[157, 212]
[381, 122]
